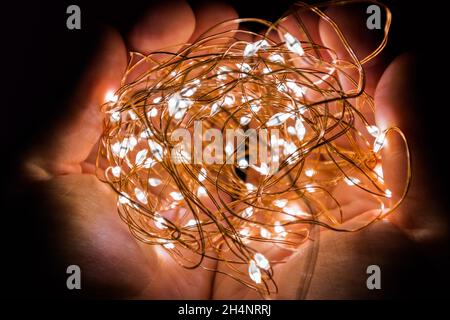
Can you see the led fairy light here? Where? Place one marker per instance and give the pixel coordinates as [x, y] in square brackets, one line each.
[197, 209]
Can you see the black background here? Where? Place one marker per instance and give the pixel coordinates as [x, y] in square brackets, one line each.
[42, 60]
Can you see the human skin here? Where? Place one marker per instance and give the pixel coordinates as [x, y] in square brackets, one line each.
[86, 229]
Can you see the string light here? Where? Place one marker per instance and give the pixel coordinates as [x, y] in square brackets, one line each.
[284, 86]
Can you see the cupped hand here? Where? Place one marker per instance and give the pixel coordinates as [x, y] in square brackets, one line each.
[86, 229]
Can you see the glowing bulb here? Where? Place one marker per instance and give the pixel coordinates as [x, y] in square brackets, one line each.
[276, 58]
[263, 169]
[116, 171]
[293, 44]
[291, 130]
[191, 223]
[261, 261]
[309, 172]
[202, 175]
[140, 195]
[278, 119]
[252, 48]
[255, 107]
[250, 187]
[373, 130]
[245, 69]
[133, 115]
[140, 157]
[278, 228]
[201, 192]
[153, 113]
[244, 232]
[265, 233]
[289, 148]
[351, 181]
[243, 164]
[229, 149]
[169, 245]
[254, 272]
[148, 163]
[228, 100]
[298, 91]
[115, 116]
[300, 129]
[177, 196]
[379, 143]
[245, 120]
[247, 213]
[160, 222]
[154, 182]
[111, 97]
[156, 149]
[146, 134]
[215, 107]
[379, 171]
[280, 203]
[124, 198]
[267, 70]
[178, 104]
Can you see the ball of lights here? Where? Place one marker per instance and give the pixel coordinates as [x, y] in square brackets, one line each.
[239, 141]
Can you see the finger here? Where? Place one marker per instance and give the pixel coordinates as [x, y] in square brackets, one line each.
[352, 20]
[63, 149]
[399, 104]
[209, 14]
[165, 24]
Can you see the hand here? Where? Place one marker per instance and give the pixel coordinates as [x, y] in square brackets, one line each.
[86, 230]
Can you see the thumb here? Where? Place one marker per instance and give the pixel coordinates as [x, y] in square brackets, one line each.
[63, 148]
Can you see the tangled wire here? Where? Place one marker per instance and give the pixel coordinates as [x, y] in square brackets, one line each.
[299, 133]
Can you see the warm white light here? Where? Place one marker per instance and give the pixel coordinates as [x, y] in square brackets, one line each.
[278, 119]
[379, 143]
[154, 182]
[245, 120]
[169, 245]
[191, 223]
[388, 193]
[202, 175]
[293, 44]
[140, 157]
[177, 196]
[140, 195]
[116, 171]
[254, 272]
[351, 181]
[243, 163]
[265, 233]
[373, 130]
[247, 213]
[201, 192]
[278, 228]
[280, 203]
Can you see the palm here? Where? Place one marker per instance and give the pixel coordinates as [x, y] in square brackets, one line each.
[115, 264]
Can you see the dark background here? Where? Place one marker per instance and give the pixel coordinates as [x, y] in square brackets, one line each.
[42, 61]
